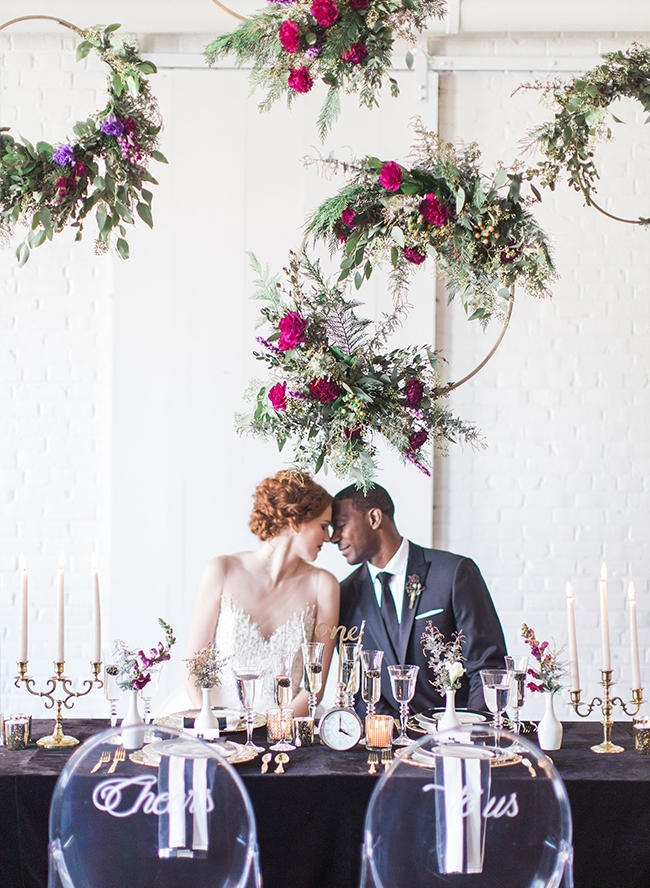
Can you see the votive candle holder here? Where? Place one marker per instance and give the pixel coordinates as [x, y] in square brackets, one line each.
[379, 731]
[641, 735]
[304, 730]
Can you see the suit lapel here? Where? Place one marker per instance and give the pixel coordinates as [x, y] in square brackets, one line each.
[418, 566]
[369, 609]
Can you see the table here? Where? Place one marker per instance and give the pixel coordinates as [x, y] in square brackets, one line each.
[310, 820]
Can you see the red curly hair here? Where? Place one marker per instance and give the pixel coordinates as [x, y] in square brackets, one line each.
[288, 499]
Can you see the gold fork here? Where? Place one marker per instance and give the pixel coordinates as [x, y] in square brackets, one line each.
[104, 759]
[373, 761]
[118, 756]
[386, 758]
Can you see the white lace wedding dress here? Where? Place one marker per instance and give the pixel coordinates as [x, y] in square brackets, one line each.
[239, 637]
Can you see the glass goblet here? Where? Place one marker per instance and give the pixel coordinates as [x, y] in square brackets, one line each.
[350, 671]
[112, 690]
[371, 679]
[248, 679]
[519, 667]
[312, 658]
[403, 680]
[496, 690]
[148, 692]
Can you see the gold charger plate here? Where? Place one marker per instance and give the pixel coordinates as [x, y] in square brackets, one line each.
[149, 755]
[235, 720]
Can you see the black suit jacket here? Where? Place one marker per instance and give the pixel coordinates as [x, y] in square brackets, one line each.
[453, 584]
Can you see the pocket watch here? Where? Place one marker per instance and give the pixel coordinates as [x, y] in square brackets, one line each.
[340, 727]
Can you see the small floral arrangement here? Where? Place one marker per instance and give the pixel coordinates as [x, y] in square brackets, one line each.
[206, 666]
[445, 658]
[102, 170]
[478, 228]
[334, 386]
[348, 44]
[550, 670]
[134, 665]
[413, 588]
[582, 118]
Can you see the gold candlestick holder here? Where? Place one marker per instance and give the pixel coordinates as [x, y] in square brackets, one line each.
[58, 693]
[607, 704]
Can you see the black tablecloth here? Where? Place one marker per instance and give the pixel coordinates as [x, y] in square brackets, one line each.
[310, 820]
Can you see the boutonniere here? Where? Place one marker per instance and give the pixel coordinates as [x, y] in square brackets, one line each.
[413, 588]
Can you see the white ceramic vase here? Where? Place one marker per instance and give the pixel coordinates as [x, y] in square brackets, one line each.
[205, 720]
[449, 718]
[132, 731]
[549, 730]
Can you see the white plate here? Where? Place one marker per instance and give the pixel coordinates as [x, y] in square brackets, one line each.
[191, 748]
[428, 756]
[235, 719]
[465, 717]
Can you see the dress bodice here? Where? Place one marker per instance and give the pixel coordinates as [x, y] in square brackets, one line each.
[238, 636]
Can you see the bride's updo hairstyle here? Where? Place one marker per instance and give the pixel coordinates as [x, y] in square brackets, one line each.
[288, 499]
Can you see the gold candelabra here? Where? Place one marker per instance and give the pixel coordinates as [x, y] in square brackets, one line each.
[66, 697]
[606, 707]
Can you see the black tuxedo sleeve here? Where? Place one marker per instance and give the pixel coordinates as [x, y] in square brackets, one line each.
[475, 616]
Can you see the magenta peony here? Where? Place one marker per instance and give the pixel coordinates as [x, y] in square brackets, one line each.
[355, 54]
[413, 392]
[300, 79]
[418, 438]
[325, 12]
[391, 176]
[433, 211]
[340, 231]
[359, 4]
[289, 36]
[414, 255]
[348, 216]
[292, 331]
[324, 389]
[278, 396]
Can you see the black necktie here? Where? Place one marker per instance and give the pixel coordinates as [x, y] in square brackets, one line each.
[388, 612]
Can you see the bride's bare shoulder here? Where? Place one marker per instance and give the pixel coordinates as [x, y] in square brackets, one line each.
[219, 567]
[324, 582]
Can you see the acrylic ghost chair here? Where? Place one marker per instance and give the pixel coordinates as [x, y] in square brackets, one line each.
[474, 807]
[172, 814]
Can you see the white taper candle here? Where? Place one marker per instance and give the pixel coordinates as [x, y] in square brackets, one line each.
[22, 653]
[604, 619]
[634, 639]
[60, 614]
[573, 644]
[97, 615]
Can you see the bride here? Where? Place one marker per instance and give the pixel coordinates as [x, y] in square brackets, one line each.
[262, 604]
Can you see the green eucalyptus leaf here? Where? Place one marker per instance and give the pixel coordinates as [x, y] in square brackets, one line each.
[398, 236]
[122, 248]
[83, 49]
[144, 212]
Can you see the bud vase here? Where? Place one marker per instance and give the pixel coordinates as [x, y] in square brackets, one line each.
[132, 732]
[449, 718]
[549, 730]
[205, 720]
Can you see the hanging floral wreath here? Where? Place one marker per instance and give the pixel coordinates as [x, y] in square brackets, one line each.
[477, 228]
[333, 386]
[104, 168]
[347, 44]
[583, 119]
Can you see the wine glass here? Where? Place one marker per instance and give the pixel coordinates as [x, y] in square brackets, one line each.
[282, 690]
[312, 657]
[148, 692]
[350, 671]
[112, 690]
[371, 680]
[403, 680]
[519, 668]
[248, 679]
[496, 689]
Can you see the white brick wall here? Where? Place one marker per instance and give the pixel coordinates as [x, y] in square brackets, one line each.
[118, 380]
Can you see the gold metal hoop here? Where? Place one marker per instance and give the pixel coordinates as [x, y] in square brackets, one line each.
[591, 202]
[242, 18]
[49, 18]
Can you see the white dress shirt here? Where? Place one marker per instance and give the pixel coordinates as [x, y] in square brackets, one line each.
[397, 567]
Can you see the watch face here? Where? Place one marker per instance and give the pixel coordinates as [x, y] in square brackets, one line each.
[340, 728]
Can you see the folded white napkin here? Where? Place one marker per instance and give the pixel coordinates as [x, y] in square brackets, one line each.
[462, 783]
[183, 826]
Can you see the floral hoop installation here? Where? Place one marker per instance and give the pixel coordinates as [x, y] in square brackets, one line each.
[348, 45]
[583, 119]
[478, 228]
[104, 168]
[334, 386]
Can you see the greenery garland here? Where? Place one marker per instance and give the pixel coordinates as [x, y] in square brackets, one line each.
[333, 385]
[478, 228]
[104, 168]
[582, 119]
[347, 44]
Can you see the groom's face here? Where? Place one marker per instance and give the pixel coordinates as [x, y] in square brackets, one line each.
[352, 532]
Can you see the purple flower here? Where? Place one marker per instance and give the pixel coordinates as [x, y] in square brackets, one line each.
[324, 389]
[356, 54]
[414, 392]
[278, 396]
[411, 457]
[391, 176]
[433, 211]
[418, 438]
[315, 50]
[347, 217]
[292, 331]
[268, 345]
[412, 254]
[113, 126]
[300, 79]
[64, 155]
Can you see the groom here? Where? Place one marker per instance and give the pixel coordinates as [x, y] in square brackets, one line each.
[400, 586]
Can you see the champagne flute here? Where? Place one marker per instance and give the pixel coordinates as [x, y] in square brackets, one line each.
[350, 671]
[282, 690]
[496, 690]
[148, 692]
[248, 679]
[312, 658]
[519, 668]
[112, 690]
[403, 680]
[371, 679]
